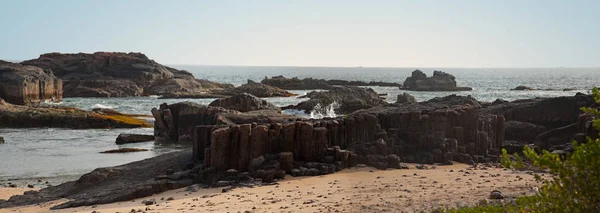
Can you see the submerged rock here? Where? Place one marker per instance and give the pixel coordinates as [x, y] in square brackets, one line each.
[1, 140]
[522, 88]
[124, 150]
[440, 81]
[133, 138]
[21, 84]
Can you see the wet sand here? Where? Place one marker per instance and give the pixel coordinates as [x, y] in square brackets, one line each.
[352, 190]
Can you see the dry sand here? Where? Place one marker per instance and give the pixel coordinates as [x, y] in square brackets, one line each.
[351, 190]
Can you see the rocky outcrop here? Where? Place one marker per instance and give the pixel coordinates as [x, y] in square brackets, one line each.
[522, 88]
[1, 140]
[107, 74]
[113, 184]
[22, 85]
[321, 84]
[257, 89]
[406, 98]
[243, 102]
[133, 138]
[176, 121]
[349, 99]
[522, 132]
[16, 116]
[384, 136]
[440, 81]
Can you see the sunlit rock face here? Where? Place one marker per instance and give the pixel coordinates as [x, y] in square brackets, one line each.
[21, 84]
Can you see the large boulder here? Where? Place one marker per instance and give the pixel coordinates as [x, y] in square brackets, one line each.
[111, 74]
[440, 81]
[243, 102]
[406, 98]
[21, 84]
[348, 99]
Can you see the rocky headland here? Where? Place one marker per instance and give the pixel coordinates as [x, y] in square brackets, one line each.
[22, 84]
[113, 74]
[440, 81]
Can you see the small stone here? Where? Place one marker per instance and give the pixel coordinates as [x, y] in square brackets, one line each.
[149, 202]
[496, 195]
[170, 198]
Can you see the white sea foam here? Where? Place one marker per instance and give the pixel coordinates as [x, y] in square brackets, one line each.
[102, 106]
[328, 111]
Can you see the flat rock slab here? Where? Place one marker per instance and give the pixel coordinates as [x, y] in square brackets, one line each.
[133, 138]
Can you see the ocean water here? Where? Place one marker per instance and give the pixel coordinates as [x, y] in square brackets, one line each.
[61, 154]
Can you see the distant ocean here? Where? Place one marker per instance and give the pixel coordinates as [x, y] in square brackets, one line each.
[60, 154]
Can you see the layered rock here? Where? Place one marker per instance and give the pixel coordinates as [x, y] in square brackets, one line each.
[349, 99]
[105, 74]
[16, 116]
[313, 84]
[21, 84]
[440, 81]
[243, 102]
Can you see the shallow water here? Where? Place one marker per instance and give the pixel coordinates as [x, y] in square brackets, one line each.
[63, 154]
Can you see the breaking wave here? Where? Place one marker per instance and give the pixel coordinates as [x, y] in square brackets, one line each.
[328, 111]
[101, 106]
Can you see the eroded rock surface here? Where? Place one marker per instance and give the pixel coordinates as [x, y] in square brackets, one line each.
[133, 138]
[21, 84]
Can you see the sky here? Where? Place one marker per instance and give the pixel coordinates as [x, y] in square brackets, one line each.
[370, 33]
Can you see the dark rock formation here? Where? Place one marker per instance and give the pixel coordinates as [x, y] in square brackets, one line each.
[349, 99]
[548, 112]
[1, 140]
[522, 88]
[312, 84]
[406, 98]
[258, 90]
[439, 131]
[28, 84]
[133, 138]
[522, 131]
[243, 102]
[105, 74]
[15, 116]
[124, 150]
[440, 81]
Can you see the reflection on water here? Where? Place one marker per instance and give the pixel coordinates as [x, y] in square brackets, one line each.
[36, 153]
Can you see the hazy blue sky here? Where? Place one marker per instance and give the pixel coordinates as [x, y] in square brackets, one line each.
[443, 33]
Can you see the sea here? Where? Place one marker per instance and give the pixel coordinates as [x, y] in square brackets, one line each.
[49, 156]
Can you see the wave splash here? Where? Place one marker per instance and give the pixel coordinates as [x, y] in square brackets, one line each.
[101, 106]
[328, 111]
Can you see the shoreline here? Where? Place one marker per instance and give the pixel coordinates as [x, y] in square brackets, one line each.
[351, 190]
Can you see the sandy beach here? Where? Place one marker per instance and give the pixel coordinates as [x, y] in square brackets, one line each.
[353, 190]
